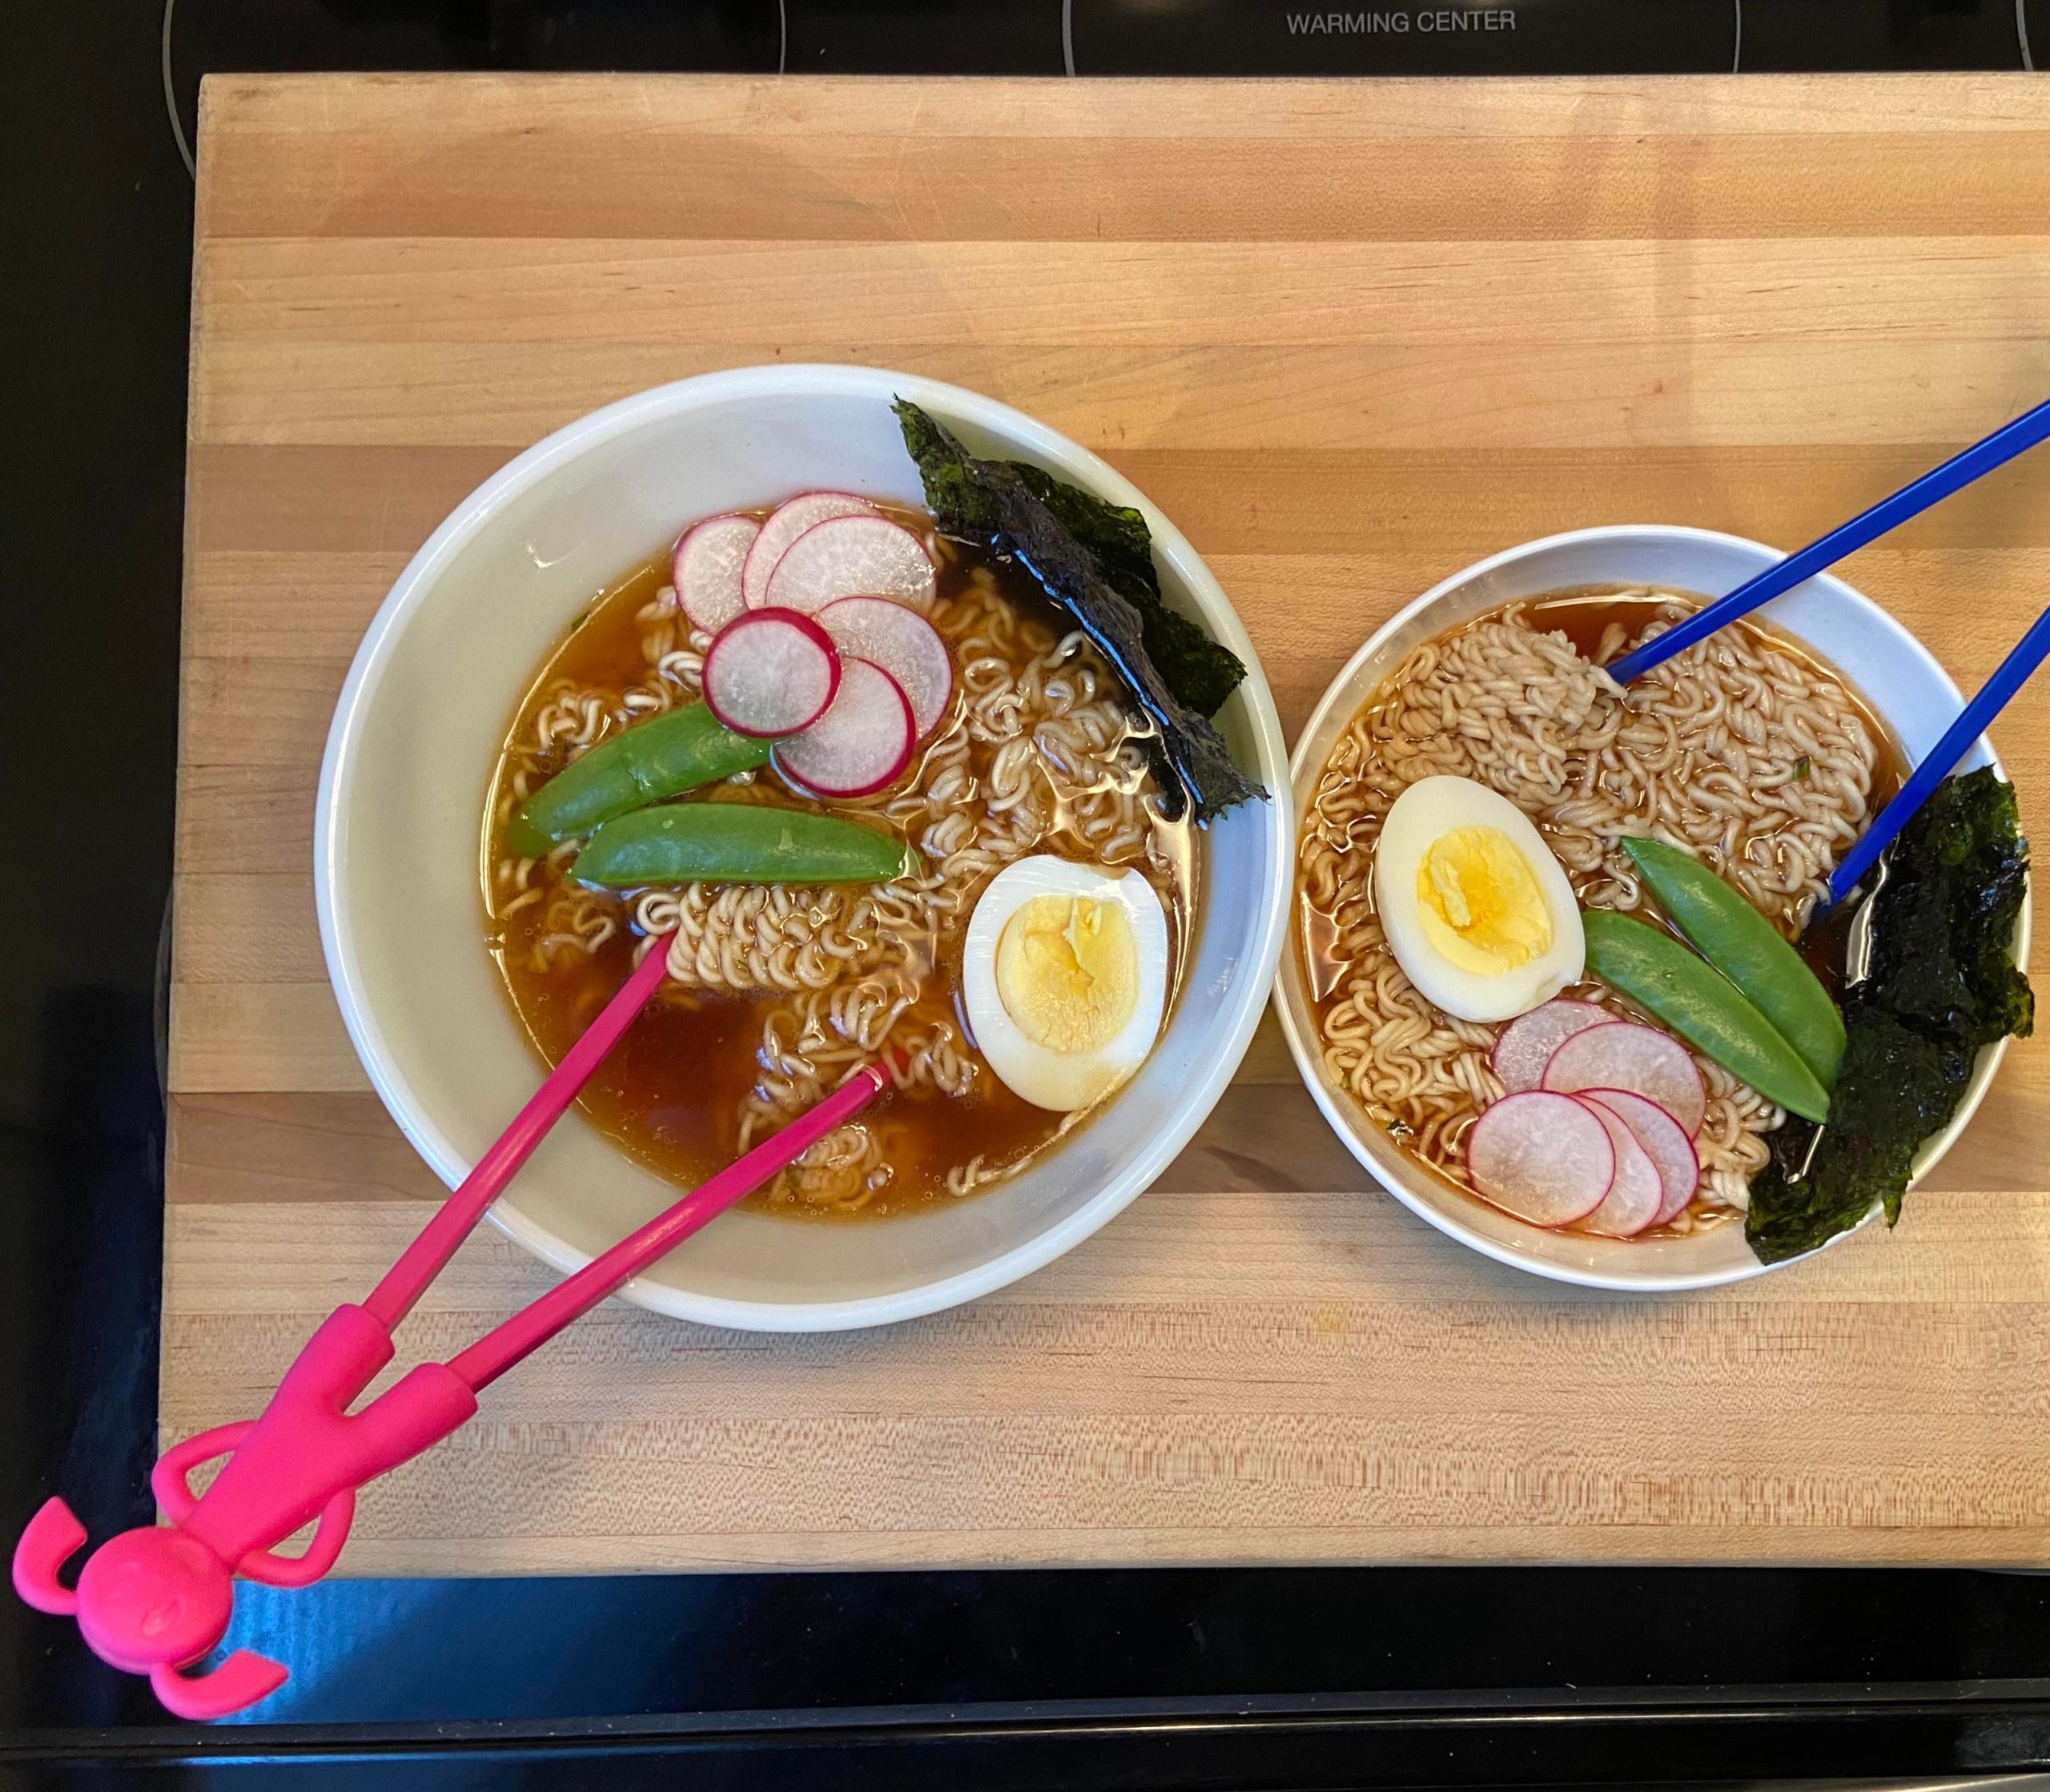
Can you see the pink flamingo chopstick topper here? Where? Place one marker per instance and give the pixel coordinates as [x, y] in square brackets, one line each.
[154, 1599]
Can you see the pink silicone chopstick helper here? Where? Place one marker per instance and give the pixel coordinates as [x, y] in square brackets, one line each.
[154, 1599]
[424, 1259]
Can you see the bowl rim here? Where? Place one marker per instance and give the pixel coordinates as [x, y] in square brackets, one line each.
[1289, 996]
[1237, 1015]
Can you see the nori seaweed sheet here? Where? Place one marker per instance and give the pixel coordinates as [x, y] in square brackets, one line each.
[1941, 986]
[1096, 560]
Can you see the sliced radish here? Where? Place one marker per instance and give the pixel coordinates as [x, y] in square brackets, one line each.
[770, 673]
[902, 642]
[785, 524]
[707, 567]
[863, 743]
[1665, 1142]
[1526, 1044]
[1544, 1158]
[1621, 1054]
[852, 556]
[1634, 1193]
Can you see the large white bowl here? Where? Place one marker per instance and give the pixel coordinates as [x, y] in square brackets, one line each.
[402, 791]
[1897, 676]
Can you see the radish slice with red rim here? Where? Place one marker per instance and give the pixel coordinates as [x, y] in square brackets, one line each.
[852, 556]
[859, 745]
[785, 524]
[1621, 1054]
[1635, 1192]
[902, 642]
[771, 672]
[1665, 1142]
[1544, 1158]
[1526, 1046]
[706, 568]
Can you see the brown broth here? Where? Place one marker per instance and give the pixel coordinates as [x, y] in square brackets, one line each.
[670, 1092]
[1587, 615]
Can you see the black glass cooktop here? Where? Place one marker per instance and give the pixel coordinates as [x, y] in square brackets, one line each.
[1103, 37]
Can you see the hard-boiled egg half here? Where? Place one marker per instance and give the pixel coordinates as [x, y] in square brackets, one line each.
[1475, 907]
[1065, 977]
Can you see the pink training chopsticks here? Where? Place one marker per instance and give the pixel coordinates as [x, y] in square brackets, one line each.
[154, 1599]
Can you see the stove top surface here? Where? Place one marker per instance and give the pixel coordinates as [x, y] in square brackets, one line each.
[1083, 37]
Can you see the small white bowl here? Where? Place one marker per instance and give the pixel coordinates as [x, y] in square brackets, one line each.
[1898, 677]
[402, 789]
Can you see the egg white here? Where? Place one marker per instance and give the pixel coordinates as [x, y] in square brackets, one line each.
[1058, 1080]
[1430, 809]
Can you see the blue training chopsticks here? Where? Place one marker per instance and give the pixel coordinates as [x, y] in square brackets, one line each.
[1981, 458]
[1936, 765]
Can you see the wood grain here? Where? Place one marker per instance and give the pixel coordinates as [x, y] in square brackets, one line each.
[1351, 336]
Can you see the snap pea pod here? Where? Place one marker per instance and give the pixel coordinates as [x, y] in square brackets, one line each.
[1703, 1006]
[662, 756]
[1748, 949]
[736, 842]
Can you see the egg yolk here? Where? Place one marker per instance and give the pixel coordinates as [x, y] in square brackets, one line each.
[1067, 971]
[1480, 902]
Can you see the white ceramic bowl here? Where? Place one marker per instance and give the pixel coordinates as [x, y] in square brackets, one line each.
[1898, 677]
[402, 791]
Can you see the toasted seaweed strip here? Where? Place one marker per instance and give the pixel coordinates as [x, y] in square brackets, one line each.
[1201, 672]
[1941, 986]
[1087, 555]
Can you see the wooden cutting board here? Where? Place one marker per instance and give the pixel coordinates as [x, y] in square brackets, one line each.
[1351, 336]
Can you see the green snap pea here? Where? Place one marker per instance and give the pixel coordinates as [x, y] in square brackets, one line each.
[737, 842]
[1702, 1005]
[1748, 949]
[662, 756]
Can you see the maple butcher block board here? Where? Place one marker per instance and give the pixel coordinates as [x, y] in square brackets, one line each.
[1350, 336]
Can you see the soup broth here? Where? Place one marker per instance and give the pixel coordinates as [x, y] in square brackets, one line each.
[706, 1071]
